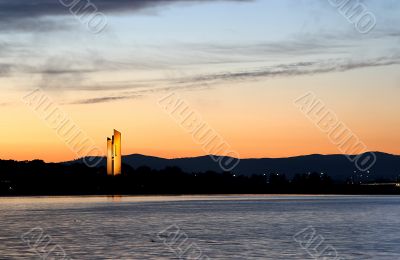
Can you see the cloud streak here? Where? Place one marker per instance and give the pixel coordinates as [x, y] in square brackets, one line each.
[136, 94]
[297, 69]
[281, 70]
[102, 100]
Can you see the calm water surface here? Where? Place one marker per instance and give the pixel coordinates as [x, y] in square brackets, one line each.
[222, 227]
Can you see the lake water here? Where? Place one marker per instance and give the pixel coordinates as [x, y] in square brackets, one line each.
[217, 227]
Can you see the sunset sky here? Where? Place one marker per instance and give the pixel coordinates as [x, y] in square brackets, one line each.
[240, 64]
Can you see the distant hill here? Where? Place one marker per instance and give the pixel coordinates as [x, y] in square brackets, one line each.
[339, 167]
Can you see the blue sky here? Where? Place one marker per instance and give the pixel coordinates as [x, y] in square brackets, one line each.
[191, 38]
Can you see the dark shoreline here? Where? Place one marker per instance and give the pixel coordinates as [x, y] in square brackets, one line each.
[37, 178]
[373, 193]
[193, 195]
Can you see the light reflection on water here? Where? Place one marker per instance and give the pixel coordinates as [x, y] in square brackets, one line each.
[224, 227]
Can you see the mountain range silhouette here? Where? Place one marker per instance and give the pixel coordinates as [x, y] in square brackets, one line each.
[338, 167]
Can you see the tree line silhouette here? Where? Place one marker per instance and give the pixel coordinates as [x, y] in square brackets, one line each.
[40, 178]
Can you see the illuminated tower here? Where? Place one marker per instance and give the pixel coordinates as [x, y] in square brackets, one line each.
[109, 156]
[114, 156]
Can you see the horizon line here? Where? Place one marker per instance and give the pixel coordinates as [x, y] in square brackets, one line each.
[206, 155]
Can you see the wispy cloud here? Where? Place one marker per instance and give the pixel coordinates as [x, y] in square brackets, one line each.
[135, 94]
[102, 99]
[281, 70]
[5, 69]
[297, 69]
[304, 45]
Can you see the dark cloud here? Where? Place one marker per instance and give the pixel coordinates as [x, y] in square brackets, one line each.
[9, 25]
[35, 8]
[34, 15]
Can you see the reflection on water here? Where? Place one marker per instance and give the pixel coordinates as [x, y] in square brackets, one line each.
[115, 198]
[222, 227]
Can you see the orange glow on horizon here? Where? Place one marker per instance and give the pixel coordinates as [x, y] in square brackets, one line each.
[255, 126]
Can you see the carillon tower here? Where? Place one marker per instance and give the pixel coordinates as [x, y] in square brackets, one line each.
[114, 156]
